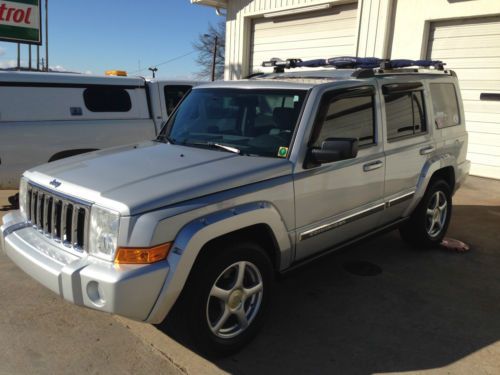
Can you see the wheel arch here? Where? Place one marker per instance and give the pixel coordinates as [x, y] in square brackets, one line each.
[440, 166]
[258, 221]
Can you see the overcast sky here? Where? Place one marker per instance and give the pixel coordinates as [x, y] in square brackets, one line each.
[97, 35]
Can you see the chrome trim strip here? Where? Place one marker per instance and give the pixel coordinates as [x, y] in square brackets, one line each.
[359, 215]
[337, 223]
[400, 199]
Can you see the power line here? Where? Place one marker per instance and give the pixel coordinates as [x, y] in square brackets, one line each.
[165, 62]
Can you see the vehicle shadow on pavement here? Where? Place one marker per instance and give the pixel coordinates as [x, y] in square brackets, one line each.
[426, 309]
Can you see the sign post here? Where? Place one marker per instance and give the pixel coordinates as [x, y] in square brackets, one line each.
[20, 21]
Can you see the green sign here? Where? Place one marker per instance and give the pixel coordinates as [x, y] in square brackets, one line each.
[20, 21]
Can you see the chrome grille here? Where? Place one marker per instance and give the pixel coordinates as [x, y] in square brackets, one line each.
[60, 218]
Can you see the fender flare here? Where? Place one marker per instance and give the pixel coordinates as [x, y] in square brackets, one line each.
[430, 167]
[193, 236]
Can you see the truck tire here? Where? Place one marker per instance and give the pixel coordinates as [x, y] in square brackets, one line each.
[430, 220]
[227, 297]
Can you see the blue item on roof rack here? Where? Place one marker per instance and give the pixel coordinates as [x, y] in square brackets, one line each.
[347, 62]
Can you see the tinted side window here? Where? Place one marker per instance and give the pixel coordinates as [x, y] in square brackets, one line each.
[445, 104]
[107, 99]
[405, 114]
[173, 95]
[348, 117]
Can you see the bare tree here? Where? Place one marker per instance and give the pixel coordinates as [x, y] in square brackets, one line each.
[205, 47]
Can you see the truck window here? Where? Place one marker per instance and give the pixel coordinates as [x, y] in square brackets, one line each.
[348, 117]
[107, 99]
[445, 105]
[405, 114]
[173, 95]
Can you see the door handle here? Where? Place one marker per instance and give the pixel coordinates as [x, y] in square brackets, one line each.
[372, 166]
[426, 150]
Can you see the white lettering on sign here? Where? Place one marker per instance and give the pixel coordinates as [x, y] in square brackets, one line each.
[18, 14]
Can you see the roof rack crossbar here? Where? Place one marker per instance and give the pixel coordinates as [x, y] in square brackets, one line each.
[348, 62]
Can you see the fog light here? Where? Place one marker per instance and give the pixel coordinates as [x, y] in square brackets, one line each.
[95, 293]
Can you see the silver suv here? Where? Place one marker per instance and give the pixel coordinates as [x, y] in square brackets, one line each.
[247, 180]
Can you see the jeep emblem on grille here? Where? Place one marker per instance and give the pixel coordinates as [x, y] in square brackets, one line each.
[55, 183]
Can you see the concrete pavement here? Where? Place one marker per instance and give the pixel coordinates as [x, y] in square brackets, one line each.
[42, 334]
[426, 312]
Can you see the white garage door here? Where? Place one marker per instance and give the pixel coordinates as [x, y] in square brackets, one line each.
[472, 48]
[323, 34]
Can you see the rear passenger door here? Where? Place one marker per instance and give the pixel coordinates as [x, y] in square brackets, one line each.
[408, 143]
[338, 201]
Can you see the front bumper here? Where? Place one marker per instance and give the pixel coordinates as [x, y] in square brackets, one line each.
[127, 290]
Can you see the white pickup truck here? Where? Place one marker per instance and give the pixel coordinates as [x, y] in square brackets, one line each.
[46, 117]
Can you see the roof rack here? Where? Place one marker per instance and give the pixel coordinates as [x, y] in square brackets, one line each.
[365, 66]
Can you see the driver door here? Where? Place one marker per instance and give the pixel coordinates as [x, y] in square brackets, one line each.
[338, 201]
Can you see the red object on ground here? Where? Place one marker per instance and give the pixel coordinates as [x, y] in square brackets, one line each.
[452, 244]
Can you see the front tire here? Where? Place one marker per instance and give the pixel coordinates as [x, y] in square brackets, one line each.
[227, 297]
[430, 220]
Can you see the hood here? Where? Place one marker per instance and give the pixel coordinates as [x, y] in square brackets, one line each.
[143, 177]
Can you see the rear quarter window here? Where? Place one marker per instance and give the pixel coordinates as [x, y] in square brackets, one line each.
[107, 99]
[445, 105]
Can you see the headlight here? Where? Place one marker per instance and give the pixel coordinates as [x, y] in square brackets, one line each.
[103, 234]
[23, 196]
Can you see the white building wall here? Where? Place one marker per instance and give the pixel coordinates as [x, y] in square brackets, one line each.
[389, 29]
[372, 35]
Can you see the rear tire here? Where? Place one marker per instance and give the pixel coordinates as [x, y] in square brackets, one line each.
[227, 297]
[430, 220]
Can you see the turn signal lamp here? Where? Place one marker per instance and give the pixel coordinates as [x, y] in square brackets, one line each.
[142, 255]
[117, 73]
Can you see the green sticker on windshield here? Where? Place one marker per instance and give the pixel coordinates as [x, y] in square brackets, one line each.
[283, 152]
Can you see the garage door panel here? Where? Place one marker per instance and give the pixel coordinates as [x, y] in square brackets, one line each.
[482, 86]
[290, 45]
[446, 54]
[484, 139]
[475, 74]
[452, 43]
[471, 47]
[473, 62]
[323, 30]
[484, 170]
[458, 30]
[483, 106]
[476, 94]
[483, 127]
[303, 53]
[483, 117]
[484, 159]
[313, 35]
[339, 13]
[484, 149]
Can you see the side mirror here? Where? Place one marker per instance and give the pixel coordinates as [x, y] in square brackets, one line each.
[334, 149]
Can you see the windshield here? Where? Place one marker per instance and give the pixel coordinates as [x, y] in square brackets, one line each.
[245, 121]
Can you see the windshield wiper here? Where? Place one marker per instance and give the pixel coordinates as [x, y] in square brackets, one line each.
[234, 150]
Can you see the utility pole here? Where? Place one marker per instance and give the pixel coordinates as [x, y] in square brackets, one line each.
[214, 58]
[18, 56]
[47, 34]
[153, 70]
